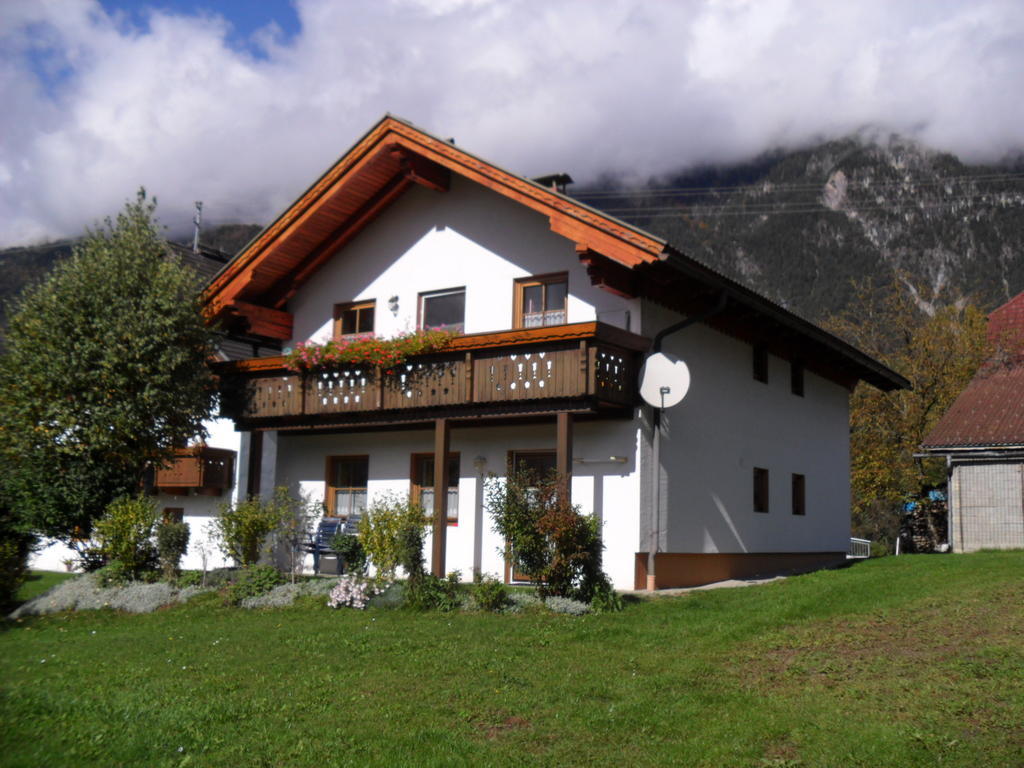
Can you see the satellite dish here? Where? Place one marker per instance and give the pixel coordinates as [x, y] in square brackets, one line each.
[664, 380]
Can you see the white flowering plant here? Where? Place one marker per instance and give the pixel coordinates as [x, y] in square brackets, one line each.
[353, 591]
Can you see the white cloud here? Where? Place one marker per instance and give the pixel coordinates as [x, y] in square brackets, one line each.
[95, 108]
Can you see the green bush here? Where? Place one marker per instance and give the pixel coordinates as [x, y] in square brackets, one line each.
[254, 581]
[549, 538]
[171, 545]
[391, 532]
[490, 594]
[241, 529]
[125, 534]
[427, 592]
[115, 574]
[351, 552]
[15, 547]
[189, 579]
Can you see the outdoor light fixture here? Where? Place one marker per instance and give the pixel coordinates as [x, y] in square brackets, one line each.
[393, 305]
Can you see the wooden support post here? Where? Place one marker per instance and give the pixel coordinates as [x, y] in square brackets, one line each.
[442, 438]
[563, 451]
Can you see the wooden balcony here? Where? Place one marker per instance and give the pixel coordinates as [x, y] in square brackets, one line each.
[208, 471]
[583, 367]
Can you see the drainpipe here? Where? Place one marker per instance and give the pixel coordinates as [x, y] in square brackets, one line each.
[656, 437]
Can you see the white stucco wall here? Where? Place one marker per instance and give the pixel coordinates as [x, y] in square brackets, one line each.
[730, 423]
[427, 241]
[599, 486]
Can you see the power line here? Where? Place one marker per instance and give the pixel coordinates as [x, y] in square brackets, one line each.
[805, 206]
[772, 187]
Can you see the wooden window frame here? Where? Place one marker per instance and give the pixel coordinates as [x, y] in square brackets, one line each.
[762, 490]
[519, 286]
[350, 305]
[329, 489]
[796, 378]
[422, 295]
[799, 486]
[760, 363]
[415, 489]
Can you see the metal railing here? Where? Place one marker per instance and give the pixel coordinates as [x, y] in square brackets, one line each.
[859, 549]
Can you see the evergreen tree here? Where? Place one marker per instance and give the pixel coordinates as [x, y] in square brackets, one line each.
[104, 375]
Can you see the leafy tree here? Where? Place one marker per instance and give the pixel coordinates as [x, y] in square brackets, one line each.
[105, 374]
[939, 353]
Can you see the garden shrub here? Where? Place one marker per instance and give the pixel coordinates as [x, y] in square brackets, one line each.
[606, 600]
[171, 545]
[254, 581]
[352, 591]
[520, 601]
[567, 606]
[189, 579]
[241, 528]
[391, 532]
[350, 551]
[489, 594]
[86, 593]
[428, 592]
[549, 538]
[15, 547]
[125, 534]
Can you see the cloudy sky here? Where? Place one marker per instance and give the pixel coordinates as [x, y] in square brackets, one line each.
[242, 104]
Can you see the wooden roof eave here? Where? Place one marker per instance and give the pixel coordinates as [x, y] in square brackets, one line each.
[567, 217]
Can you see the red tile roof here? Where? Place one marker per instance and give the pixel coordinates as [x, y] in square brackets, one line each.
[990, 412]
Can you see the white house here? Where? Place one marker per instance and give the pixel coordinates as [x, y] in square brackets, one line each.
[556, 305]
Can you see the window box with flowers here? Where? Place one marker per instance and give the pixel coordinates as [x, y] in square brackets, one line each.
[366, 350]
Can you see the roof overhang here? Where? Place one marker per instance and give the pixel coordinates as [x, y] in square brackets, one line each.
[250, 294]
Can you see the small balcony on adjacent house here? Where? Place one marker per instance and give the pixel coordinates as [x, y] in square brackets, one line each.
[206, 471]
[583, 368]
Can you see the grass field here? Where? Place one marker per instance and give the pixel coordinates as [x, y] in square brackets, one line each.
[910, 661]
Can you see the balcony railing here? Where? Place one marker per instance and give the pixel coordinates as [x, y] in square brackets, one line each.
[590, 362]
[205, 470]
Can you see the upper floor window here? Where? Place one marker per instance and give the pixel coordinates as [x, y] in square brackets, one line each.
[760, 364]
[443, 310]
[353, 318]
[541, 300]
[796, 378]
[799, 495]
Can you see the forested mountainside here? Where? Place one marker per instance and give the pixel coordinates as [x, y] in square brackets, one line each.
[798, 226]
[802, 226]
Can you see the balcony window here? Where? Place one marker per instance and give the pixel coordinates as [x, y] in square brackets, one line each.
[347, 478]
[541, 301]
[423, 484]
[353, 319]
[443, 310]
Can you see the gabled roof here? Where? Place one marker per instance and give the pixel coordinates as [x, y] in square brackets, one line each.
[989, 413]
[252, 291]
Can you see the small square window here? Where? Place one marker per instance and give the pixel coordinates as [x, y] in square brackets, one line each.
[347, 480]
[760, 489]
[796, 378]
[541, 301]
[799, 497]
[354, 318]
[761, 364]
[443, 310]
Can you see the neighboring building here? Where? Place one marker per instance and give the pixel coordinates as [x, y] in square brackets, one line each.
[982, 438]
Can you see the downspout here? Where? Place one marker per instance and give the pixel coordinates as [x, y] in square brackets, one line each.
[656, 437]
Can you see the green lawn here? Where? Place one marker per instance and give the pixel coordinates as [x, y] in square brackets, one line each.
[39, 582]
[910, 661]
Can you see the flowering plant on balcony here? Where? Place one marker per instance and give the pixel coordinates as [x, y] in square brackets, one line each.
[366, 349]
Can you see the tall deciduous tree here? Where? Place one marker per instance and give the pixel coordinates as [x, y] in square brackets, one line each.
[938, 353]
[105, 374]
